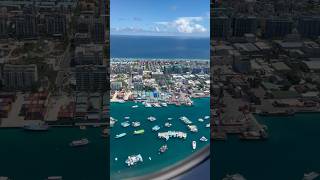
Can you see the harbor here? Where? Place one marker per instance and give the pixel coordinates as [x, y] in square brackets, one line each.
[166, 144]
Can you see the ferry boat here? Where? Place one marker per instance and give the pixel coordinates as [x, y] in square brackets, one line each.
[155, 128]
[163, 149]
[36, 127]
[133, 159]
[140, 131]
[193, 128]
[200, 120]
[81, 142]
[120, 135]
[151, 118]
[167, 124]
[203, 139]
[194, 145]
[310, 176]
[135, 106]
[125, 124]
[135, 123]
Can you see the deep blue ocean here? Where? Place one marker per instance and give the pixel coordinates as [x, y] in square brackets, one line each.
[122, 46]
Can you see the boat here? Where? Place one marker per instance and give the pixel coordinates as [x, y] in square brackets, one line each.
[208, 125]
[120, 135]
[81, 142]
[83, 127]
[4, 178]
[200, 120]
[167, 124]
[140, 131]
[52, 178]
[156, 105]
[155, 128]
[147, 105]
[125, 124]
[194, 145]
[105, 132]
[234, 177]
[112, 121]
[134, 159]
[310, 176]
[169, 119]
[203, 139]
[135, 106]
[163, 149]
[164, 104]
[36, 127]
[193, 128]
[127, 117]
[151, 118]
[135, 123]
[185, 120]
[206, 117]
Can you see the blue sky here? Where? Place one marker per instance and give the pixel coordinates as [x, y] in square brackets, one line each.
[160, 17]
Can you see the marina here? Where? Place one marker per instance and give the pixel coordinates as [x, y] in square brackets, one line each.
[158, 145]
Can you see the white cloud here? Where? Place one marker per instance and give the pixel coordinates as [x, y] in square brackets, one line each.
[189, 25]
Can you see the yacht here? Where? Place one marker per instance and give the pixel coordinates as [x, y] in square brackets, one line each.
[155, 128]
[163, 149]
[81, 142]
[120, 135]
[194, 145]
[133, 159]
[203, 139]
[125, 124]
[135, 123]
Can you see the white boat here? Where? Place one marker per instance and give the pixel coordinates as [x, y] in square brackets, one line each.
[193, 128]
[200, 120]
[147, 105]
[156, 105]
[163, 148]
[127, 117]
[203, 139]
[135, 123]
[208, 125]
[151, 118]
[81, 142]
[125, 124]
[310, 176]
[135, 106]
[52, 178]
[155, 128]
[206, 117]
[194, 145]
[169, 119]
[167, 124]
[164, 104]
[120, 135]
[185, 120]
[134, 159]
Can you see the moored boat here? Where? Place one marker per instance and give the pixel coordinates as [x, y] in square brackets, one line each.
[81, 142]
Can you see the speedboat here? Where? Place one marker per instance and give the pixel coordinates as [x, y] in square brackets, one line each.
[133, 159]
[120, 135]
[81, 142]
[163, 149]
[194, 145]
[151, 118]
[203, 139]
[155, 128]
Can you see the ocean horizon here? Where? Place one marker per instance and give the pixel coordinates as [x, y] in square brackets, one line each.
[159, 47]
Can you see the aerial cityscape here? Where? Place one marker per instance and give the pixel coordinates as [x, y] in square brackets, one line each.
[159, 97]
[264, 87]
[54, 67]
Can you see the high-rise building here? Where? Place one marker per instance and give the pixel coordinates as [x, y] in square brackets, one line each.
[275, 28]
[56, 24]
[86, 54]
[244, 25]
[19, 77]
[309, 27]
[220, 27]
[91, 78]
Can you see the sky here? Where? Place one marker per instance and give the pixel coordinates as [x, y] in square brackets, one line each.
[160, 17]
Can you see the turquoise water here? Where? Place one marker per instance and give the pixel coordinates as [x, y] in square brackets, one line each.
[148, 144]
[292, 149]
[37, 155]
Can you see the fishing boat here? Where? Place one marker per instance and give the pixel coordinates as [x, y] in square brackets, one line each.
[81, 142]
[194, 145]
[167, 124]
[134, 159]
[151, 118]
[140, 131]
[155, 128]
[125, 124]
[120, 135]
[163, 149]
[203, 139]
[135, 123]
